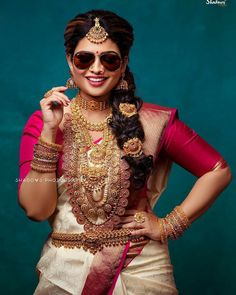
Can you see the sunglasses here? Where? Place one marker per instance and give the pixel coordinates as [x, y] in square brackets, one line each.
[110, 60]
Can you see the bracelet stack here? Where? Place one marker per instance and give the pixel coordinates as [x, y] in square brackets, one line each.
[46, 155]
[173, 225]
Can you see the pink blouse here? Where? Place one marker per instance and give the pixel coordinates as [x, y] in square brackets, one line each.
[179, 142]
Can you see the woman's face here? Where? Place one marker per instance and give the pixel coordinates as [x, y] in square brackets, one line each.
[84, 78]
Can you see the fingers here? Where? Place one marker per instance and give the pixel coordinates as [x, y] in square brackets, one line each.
[56, 90]
[148, 227]
[60, 88]
[47, 102]
[63, 98]
[133, 224]
[55, 97]
[126, 219]
[139, 232]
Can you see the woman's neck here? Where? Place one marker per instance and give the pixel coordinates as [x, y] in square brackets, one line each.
[94, 109]
[102, 98]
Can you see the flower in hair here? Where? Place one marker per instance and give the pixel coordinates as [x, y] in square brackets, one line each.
[128, 109]
[133, 147]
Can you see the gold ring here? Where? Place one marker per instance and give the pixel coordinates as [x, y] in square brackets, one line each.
[48, 93]
[139, 217]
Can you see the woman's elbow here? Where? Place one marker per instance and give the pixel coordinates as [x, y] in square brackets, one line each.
[226, 176]
[38, 215]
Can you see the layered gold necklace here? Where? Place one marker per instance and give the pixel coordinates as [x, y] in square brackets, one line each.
[100, 192]
[89, 125]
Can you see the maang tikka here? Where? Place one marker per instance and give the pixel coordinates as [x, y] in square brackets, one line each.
[97, 34]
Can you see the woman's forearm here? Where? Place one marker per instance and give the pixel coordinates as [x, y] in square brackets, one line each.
[205, 191]
[38, 192]
[38, 195]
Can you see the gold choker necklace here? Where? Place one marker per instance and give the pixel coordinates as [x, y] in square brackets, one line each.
[91, 104]
[100, 126]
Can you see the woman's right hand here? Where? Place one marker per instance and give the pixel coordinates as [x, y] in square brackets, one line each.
[53, 114]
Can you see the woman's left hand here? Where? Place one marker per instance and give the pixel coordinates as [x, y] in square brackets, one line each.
[149, 227]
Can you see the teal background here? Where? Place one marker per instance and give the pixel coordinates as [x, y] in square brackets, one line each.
[184, 57]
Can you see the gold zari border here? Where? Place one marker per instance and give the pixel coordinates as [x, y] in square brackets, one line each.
[219, 165]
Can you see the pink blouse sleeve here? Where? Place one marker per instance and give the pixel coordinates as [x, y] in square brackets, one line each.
[31, 133]
[185, 147]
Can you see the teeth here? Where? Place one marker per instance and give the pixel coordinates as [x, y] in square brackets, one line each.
[96, 79]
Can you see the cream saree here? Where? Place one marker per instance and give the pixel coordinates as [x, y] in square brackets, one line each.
[138, 269]
[64, 271]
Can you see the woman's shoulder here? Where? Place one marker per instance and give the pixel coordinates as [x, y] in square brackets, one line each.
[155, 107]
[154, 110]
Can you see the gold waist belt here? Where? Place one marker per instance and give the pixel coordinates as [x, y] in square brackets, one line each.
[94, 240]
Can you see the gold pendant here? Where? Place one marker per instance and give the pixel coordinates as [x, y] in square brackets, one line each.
[97, 155]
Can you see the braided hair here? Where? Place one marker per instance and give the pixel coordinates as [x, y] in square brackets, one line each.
[123, 127]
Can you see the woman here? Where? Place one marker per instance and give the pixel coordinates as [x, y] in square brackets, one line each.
[110, 154]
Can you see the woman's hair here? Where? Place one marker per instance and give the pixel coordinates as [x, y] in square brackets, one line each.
[124, 128]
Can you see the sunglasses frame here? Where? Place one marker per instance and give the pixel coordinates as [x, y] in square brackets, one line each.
[94, 57]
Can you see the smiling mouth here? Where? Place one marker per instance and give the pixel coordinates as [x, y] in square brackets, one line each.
[96, 79]
[96, 82]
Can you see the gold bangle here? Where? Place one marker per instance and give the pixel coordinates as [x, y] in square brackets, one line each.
[44, 161]
[45, 153]
[182, 215]
[175, 223]
[170, 229]
[44, 142]
[163, 236]
[41, 169]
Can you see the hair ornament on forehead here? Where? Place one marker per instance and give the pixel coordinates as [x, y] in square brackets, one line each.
[97, 34]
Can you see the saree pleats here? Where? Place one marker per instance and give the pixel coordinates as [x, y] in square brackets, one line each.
[149, 273]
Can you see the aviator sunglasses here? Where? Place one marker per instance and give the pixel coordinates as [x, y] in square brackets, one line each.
[110, 60]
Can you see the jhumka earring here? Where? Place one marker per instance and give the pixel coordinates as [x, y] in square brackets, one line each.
[123, 84]
[97, 34]
[70, 83]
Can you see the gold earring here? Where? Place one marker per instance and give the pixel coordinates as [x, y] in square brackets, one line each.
[70, 83]
[123, 84]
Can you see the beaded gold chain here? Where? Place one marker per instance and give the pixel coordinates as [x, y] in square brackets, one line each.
[92, 176]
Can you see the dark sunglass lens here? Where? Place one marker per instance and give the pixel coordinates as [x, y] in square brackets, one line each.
[111, 61]
[83, 60]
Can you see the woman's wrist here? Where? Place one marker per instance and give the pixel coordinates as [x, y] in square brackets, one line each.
[46, 155]
[49, 133]
[173, 225]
